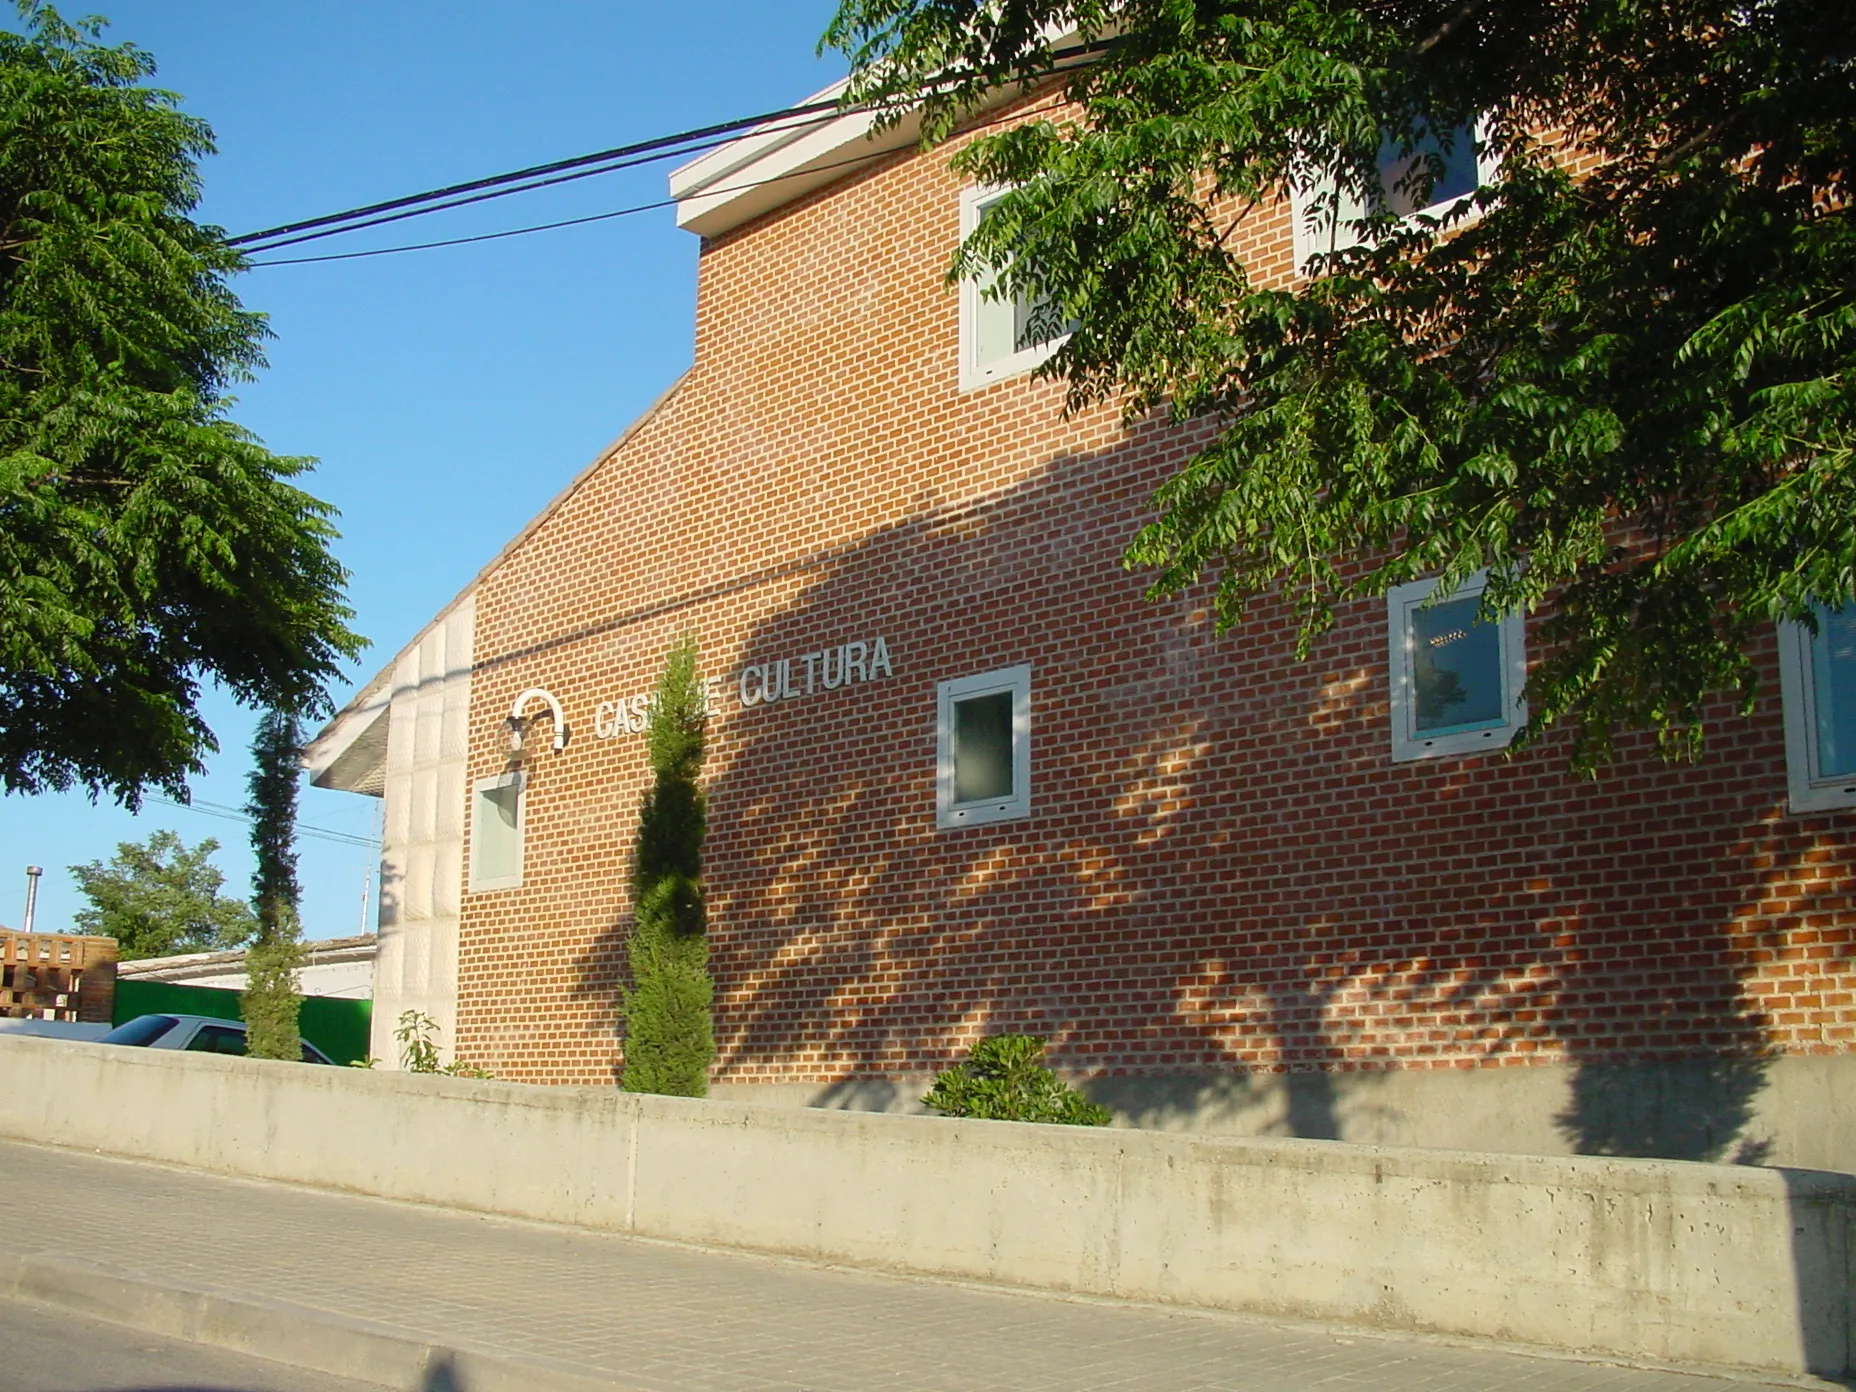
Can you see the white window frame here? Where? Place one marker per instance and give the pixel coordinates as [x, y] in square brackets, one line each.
[482, 883]
[1407, 743]
[950, 814]
[974, 373]
[1809, 791]
[1317, 241]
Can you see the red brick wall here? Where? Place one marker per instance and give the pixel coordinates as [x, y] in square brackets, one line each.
[1223, 868]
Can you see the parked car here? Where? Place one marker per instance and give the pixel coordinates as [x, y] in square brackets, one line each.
[200, 1034]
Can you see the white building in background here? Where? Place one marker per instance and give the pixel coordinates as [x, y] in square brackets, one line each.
[338, 967]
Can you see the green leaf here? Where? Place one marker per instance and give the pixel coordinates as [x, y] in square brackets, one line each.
[1625, 385]
[147, 544]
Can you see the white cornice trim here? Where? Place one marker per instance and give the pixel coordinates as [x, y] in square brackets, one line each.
[763, 169]
[724, 188]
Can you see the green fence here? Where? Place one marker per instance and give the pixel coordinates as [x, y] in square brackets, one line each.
[335, 1026]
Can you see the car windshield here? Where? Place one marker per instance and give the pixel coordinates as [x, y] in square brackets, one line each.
[143, 1030]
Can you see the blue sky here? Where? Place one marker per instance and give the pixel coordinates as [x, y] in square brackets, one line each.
[448, 394]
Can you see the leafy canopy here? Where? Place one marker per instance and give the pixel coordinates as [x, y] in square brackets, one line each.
[160, 897]
[1624, 386]
[147, 543]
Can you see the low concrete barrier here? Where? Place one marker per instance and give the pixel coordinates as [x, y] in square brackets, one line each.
[1637, 1258]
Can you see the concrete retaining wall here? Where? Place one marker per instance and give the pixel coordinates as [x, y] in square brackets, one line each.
[1643, 1259]
[1795, 1110]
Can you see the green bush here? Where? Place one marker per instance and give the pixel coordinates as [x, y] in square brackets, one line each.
[1004, 1079]
[667, 1010]
[270, 1002]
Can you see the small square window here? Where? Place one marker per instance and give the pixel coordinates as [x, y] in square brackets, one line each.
[1465, 166]
[984, 748]
[1817, 679]
[997, 336]
[496, 833]
[1456, 679]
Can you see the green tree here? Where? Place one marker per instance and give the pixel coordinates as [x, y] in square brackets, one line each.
[147, 543]
[271, 999]
[1626, 390]
[669, 1031]
[159, 897]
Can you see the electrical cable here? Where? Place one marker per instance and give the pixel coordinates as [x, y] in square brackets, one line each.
[508, 190]
[570, 222]
[581, 166]
[461, 241]
[618, 152]
[233, 814]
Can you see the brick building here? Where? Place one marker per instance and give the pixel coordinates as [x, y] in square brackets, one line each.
[965, 779]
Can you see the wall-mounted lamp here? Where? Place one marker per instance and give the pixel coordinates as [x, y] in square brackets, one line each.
[518, 724]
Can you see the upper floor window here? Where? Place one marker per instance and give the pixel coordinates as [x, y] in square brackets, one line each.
[1455, 164]
[1817, 678]
[998, 334]
[1456, 678]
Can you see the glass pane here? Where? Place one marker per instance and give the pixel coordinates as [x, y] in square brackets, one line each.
[1456, 667]
[995, 328]
[496, 847]
[1027, 322]
[1833, 683]
[1456, 177]
[143, 1030]
[212, 1039]
[1004, 327]
[983, 747]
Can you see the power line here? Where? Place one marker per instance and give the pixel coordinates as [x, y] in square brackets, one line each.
[580, 167]
[503, 192]
[574, 222]
[618, 152]
[233, 814]
[569, 222]
[461, 241]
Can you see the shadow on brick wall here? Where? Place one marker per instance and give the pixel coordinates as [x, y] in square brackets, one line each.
[1700, 1102]
[1227, 895]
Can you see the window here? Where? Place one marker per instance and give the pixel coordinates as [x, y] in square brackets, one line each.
[984, 748]
[218, 1039]
[1817, 677]
[996, 335]
[1456, 680]
[1463, 166]
[142, 1031]
[496, 833]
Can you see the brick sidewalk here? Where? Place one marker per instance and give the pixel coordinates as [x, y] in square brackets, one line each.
[660, 1318]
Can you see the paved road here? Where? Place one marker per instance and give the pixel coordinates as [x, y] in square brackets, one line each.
[653, 1317]
[43, 1350]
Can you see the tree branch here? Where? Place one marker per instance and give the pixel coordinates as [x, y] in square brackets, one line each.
[1447, 28]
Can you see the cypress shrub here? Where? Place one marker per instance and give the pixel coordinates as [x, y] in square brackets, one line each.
[665, 1013]
[270, 1001]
